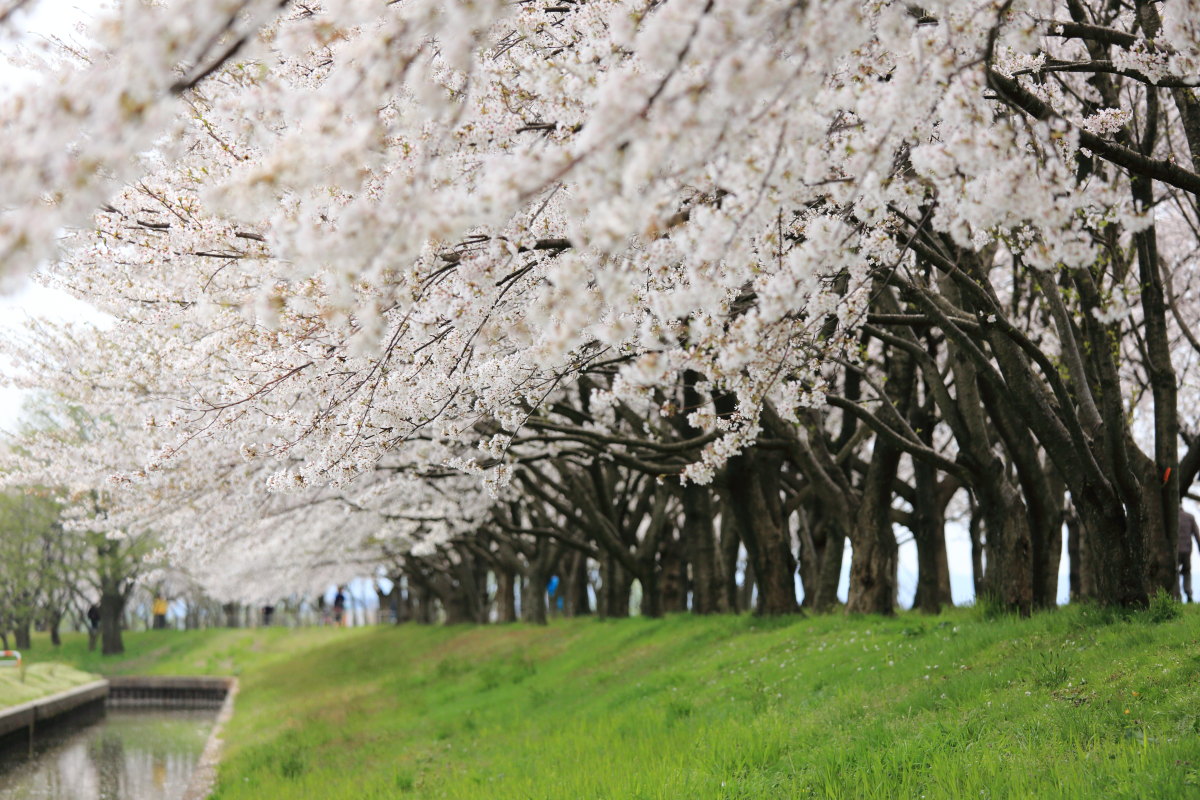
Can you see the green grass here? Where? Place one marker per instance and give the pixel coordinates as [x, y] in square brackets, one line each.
[1072, 704]
[39, 680]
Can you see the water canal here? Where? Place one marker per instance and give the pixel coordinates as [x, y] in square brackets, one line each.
[122, 754]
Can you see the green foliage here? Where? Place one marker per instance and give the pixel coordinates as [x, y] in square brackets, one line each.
[33, 554]
[1091, 613]
[1063, 705]
[988, 607]
[1163, 607]
[1049, 668]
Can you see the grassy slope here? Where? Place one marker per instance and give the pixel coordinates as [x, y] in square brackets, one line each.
[1070, 704]
[40, 680]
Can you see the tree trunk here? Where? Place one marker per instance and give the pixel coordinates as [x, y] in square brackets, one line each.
[731, 542]
[1009, 550]
[457, 607]
[112, 608]
[1157, 515]
[834, 553]
[424, 612]
[753, 479]
[533, 599]
[808, 560]
[700, 541]
[929, 516]
[405, 611]
[651, 604]
[699, 537]
[929, 535]
[874, 553]
[1115, 551]
[615, 587]
[53, 624]
[1160, 475]
[578, 603]
[975, 531]
[21, 635]
[506, 600]
[1047, 565]
[746, 589]
[672, 577]
[1075, 557]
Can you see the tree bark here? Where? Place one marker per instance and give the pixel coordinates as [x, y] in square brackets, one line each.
[753, 479]
[698, 514]
[615, 587]
[874, 553]
[506, 600]
[731, 542]
[700, 541]
[53, 623]
[21, 635]
[112, 607]
[832, 558]
[747, 589]
[533, 599]
[929, 536]
[673, 579]
[457, 608]
[1009, 552]
[929, 506]
[422, 602]
[651, 603]
[577, 602]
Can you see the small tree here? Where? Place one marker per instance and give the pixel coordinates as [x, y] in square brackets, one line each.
[31, 572]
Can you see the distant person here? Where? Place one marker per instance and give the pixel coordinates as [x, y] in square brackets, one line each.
[322, 610]
[93, 618]
[339, 608]
[268, 613]
[552, 593]
[160, 612]
[1188, 531]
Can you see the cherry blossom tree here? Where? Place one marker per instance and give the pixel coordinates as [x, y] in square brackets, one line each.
[381, 270]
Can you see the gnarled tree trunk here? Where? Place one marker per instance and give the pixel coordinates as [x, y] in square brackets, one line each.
[753, 479]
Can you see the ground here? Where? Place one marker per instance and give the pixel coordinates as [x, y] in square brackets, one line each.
[1074, 703]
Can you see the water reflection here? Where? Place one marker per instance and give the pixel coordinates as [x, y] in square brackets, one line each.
[129, 754]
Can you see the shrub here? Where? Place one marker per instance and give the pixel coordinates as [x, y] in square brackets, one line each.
[989, 607]
[1163, 607]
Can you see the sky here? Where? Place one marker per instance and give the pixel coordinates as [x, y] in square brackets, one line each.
[30, 300]
[26, 299]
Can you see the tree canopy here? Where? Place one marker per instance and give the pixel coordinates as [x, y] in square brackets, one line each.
[618, 289]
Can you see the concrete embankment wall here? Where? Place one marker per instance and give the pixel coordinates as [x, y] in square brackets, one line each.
[20, 723]
[28, 716]
[167, 691]
[205, 776]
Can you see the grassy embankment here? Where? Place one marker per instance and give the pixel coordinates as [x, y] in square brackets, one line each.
[1071, 704]
[39, 680]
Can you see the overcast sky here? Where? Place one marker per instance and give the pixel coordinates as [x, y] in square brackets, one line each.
[45, 18]
[16, 309]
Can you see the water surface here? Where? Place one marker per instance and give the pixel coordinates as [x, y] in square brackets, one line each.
[127, 754]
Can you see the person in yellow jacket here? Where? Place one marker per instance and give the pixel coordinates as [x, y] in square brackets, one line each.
[160, 612]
